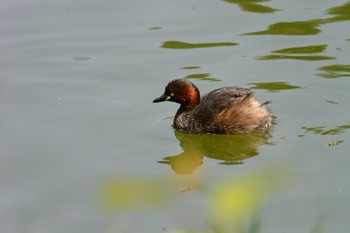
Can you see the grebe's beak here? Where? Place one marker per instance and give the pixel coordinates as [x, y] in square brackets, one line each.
[162, 98]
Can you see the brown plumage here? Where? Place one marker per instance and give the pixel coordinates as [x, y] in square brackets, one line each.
[227, 110]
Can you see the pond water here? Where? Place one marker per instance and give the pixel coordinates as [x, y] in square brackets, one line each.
[78, 127]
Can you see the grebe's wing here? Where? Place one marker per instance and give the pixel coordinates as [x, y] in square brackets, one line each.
[223, 98]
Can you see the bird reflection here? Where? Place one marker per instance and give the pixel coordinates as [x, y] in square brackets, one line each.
[229, 149]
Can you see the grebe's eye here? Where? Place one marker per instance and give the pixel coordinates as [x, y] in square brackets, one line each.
[169, 96]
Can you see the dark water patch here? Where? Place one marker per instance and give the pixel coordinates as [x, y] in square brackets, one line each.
[184, 45]
[154, 28]
[274, 86]
[190, 67]
[335, 71]
[253, 6]
[331, 102]
[80, 58]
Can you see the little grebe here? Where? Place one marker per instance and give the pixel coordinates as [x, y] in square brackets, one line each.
[227, 110]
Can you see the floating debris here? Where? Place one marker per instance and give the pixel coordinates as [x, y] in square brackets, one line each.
[190, 67]
[335, 143]
[190, 188]
[154, 28]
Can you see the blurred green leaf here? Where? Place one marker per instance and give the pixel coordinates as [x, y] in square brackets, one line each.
[235, 201]
[128, 192]
[319, 223]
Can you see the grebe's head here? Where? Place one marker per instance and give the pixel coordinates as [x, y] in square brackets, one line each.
[181, 91]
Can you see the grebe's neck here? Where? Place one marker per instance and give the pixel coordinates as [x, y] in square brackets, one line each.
[190, 99]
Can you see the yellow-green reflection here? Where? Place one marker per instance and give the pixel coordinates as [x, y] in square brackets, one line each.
[324, 130]
[304, 49]
[335, 71]
[130, 192]
[305, 58]
[229, 149]
[235, 201]
[185, 45]
[308, 27]
[201, 76]
[297, 28]
[253, 6]
[274, 86]
[232, 205]
[190, 67]
[299, 50]
[341, 12]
